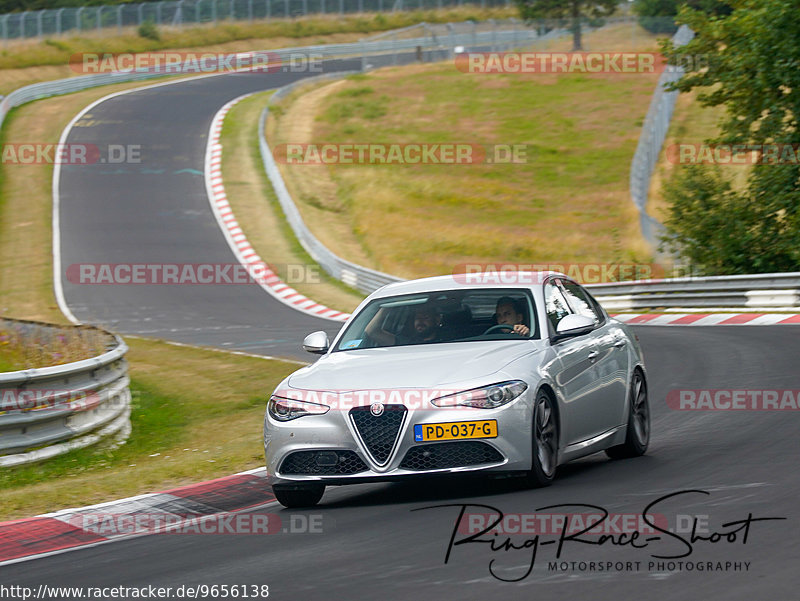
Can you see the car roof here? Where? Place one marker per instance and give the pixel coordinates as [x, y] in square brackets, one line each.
[488, 279]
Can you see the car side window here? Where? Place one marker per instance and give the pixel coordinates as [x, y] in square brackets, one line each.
[555, 304]
[580, 302]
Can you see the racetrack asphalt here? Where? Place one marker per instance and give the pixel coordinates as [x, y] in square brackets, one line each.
[375, 545]
[157, 211]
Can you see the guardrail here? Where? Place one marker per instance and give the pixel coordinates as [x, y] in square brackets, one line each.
[48, 411]
[768, 291]
[654, 131]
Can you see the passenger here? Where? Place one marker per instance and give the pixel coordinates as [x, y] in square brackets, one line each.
[508, 313]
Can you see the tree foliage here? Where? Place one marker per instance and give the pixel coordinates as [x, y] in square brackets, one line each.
[748, 61]
[571, 11]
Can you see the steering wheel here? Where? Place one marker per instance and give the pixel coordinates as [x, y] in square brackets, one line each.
[498, 328]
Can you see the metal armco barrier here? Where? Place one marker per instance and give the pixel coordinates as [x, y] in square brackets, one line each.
[48, 411]
[768, 290]
[654, 131]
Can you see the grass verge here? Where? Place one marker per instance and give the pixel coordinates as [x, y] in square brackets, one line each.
[257, 210]
[197, 414]
[569, 202]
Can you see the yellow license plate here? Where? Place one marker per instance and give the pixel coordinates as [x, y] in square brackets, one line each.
[456, 430]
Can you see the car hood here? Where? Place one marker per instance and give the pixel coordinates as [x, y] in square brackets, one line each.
[410, 366]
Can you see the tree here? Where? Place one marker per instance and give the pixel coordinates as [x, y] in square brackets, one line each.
[748, 63]
[658, 16]
[573, 10]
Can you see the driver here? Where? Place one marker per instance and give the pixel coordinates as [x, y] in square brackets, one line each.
[507, 313]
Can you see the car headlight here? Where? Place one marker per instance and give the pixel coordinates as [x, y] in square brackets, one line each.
[486, 397]
[284, 410]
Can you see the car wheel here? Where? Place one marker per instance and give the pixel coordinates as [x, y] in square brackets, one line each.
[299, 496]
[545, 441]
[637, 435]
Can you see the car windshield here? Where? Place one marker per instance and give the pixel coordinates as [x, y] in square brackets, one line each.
[442, 316]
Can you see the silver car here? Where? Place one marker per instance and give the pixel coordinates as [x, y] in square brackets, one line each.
[446, 375]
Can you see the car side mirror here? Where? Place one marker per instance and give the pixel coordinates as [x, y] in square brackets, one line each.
[573, 325]
[317, 343]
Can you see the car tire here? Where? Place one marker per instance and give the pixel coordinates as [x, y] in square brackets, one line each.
[545, 442]
[637, 434]
[295, 497]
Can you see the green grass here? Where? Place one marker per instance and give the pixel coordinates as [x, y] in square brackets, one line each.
[189, 424]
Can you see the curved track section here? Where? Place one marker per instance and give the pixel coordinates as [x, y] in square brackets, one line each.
[373, 545]
[156, 212]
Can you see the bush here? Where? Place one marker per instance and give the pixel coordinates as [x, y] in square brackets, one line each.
[149, 30]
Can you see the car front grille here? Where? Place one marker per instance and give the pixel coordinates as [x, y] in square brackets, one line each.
[450, 454]
[379, 432]
[307, 463]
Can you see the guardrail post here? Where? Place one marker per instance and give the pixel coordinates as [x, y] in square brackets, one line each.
[158, 12]
[361, 6]
[231, 9]
[78, 18]
[99, 17]
[341, 7]
[197, 11]
[268, 9]
[22, 25]
[39, 23]
[286, 8]
[322, 6]
[140, 14]
[214, 11]
[177, 18]
[5, 29]
[250, 10]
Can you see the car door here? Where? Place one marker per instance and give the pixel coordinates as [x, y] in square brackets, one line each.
[610, 364]
[576, 377]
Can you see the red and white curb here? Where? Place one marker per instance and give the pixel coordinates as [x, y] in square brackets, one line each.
[179, 508]
[708, 319]
[244, 252]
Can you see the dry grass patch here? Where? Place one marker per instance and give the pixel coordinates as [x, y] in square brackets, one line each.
[569, 202]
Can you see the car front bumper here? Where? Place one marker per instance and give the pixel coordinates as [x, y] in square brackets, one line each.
[334, 440]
